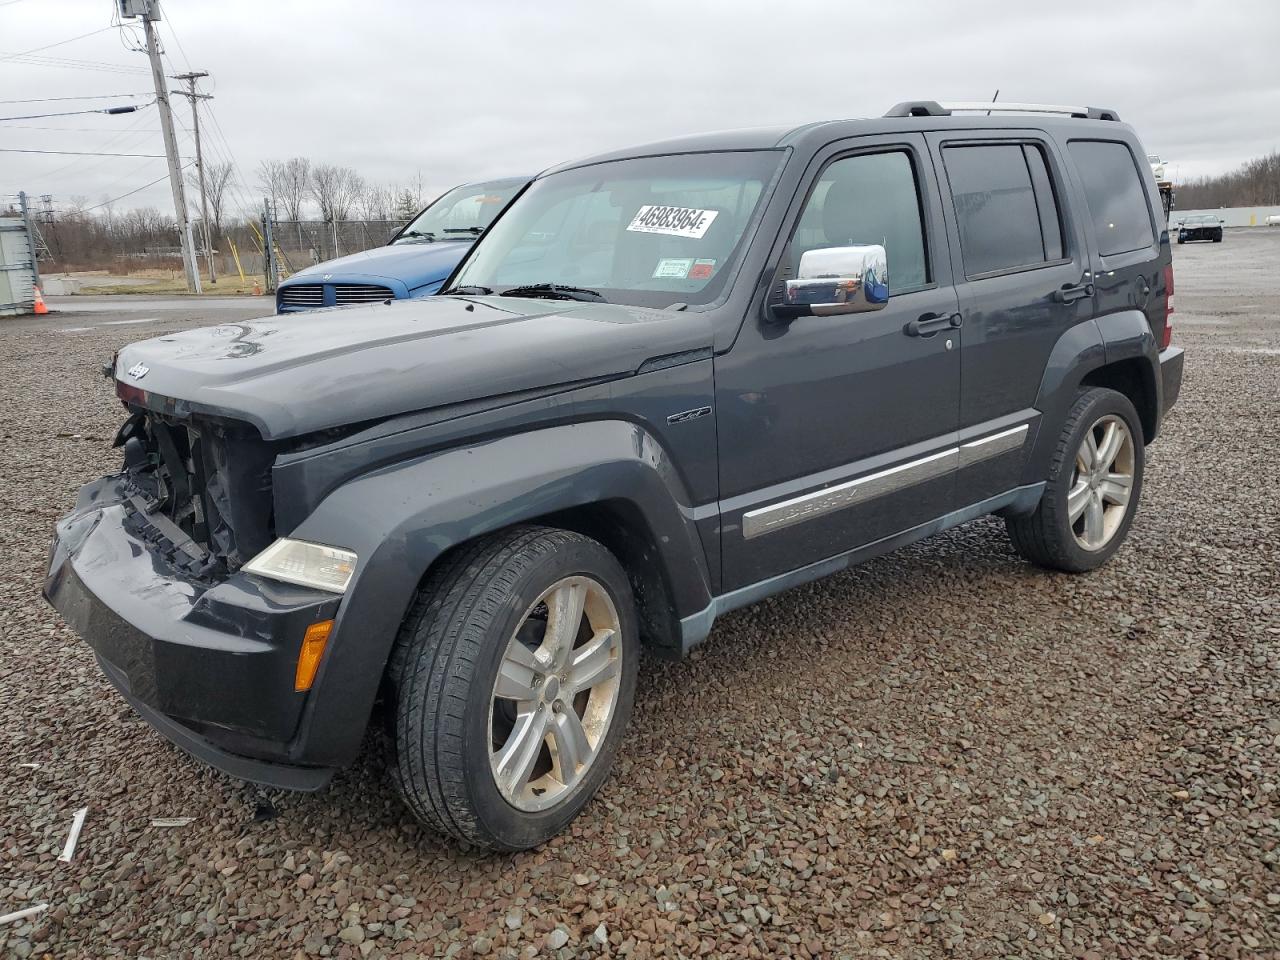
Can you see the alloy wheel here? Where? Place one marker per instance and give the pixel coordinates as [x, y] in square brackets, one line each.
[555, 693]
[1101, 483]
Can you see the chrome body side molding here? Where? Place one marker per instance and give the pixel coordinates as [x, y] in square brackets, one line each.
[694, 629]
[992, 446]
[786, 513]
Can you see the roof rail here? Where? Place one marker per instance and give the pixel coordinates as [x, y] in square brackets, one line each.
[934, 108]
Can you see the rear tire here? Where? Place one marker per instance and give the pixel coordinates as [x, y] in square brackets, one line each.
[1079, 522]
[475, 671]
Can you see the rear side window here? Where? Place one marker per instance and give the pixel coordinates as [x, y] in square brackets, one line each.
[1005, 206]
[1117, 202]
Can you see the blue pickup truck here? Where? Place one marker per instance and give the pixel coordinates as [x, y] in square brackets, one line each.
[415, 262]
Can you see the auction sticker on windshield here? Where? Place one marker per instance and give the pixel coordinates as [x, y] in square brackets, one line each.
[672, 269]
[673, 221]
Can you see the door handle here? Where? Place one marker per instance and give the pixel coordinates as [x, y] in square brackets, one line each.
[1070, 293]
[930, 323]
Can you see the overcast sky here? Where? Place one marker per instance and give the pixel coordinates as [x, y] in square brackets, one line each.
[462, 91]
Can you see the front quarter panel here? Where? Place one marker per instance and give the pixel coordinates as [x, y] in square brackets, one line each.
[401, 518]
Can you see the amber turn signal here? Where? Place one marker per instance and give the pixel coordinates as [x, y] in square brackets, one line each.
[313, 643]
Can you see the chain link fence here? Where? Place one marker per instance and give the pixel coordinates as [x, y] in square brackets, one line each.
[301, 243]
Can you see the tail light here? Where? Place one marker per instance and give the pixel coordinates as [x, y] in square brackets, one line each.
[1168, 307]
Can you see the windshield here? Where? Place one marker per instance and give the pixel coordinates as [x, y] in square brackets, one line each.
[649, 231]
[1203, 218]
[462, 213]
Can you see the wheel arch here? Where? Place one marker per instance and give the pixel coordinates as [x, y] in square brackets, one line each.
[1135, 379]
[610, 480]
[1118, 351]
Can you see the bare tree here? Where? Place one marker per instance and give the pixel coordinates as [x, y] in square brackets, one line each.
[1256, 183]
[271, 180]
[217, 178]
[335, 189]
[287, 183]
[376, 202]
[296, 182]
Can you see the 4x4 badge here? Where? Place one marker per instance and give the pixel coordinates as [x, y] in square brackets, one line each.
[138, 371]
[686, 415]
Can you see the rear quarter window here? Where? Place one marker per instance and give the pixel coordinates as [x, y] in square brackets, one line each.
[1005, 207]
[1117, 201]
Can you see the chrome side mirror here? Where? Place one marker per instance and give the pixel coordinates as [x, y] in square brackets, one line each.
[839, 280]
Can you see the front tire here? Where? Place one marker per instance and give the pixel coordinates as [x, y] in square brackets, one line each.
[510, 686]
[1095, 481]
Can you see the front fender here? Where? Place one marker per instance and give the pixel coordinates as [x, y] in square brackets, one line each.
[401, 518]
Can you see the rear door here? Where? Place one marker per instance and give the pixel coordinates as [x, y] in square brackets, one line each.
[1023, 278]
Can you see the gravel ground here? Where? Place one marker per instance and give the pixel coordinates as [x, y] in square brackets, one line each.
[942, 753]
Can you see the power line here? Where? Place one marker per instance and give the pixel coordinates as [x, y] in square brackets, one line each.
[130, 193]
[127, 138]
[28, 126]
[83, 153]
[50, 46]
[92, 96]
[131, 108]
[67, 64]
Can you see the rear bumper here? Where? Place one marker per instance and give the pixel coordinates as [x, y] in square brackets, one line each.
[1170, 376]
[209, 666]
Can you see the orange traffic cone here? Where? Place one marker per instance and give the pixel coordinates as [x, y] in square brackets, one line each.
[40, 304]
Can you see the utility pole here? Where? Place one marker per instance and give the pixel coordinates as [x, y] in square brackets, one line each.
[149, 11]
[190, 94]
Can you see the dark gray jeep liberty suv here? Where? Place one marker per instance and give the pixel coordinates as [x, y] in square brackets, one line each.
[668, 382]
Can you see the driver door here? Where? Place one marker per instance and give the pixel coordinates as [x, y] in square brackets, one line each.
[834, 431]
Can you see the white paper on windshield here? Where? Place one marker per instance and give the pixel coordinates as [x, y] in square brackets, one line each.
[673, 221]
[671, 269]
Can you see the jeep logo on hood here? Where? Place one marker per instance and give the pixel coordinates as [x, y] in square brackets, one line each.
[137, 371]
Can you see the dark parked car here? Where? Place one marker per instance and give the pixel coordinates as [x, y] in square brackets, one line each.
[416, 261]
[668, 382]
[1200, 227]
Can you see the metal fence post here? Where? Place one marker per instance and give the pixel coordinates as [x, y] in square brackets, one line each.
[270, 268]
[31, 241]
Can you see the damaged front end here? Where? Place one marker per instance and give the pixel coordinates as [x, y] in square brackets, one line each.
[149, 568]
[200, 490]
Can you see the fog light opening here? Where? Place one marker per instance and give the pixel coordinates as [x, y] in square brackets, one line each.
[313, 644]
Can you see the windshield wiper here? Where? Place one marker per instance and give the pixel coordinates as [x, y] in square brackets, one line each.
[472, 230]
[554, 291]
[424, 234]
[468, 291]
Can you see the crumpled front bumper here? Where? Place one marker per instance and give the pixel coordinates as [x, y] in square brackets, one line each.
[211, 666]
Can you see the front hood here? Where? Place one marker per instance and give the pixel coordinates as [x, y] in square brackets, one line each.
[414, 264]
[293, 374]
